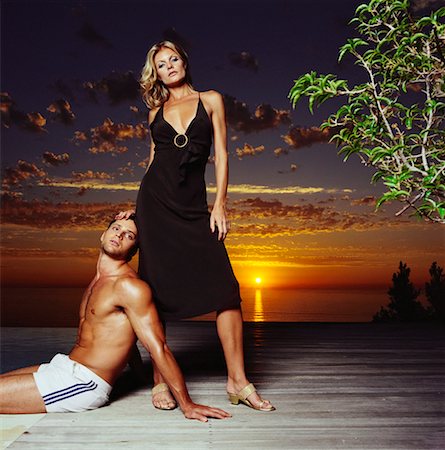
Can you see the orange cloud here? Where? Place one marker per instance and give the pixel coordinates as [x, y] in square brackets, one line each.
[79, 136]
[299, 137]
[105, 137]
[33, 121]
[264, 117]
[62, 111]
[52, 159]
[90, 175]
[24, 170]
[249, 150]
[281, 151]
[126, 170]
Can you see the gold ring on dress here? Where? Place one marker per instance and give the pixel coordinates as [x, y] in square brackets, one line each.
[175, 140]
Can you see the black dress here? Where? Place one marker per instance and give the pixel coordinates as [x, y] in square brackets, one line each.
[184, 263]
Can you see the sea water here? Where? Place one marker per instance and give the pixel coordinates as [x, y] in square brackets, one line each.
[59, 307]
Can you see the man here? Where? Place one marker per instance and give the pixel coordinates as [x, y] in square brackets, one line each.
[116, 310]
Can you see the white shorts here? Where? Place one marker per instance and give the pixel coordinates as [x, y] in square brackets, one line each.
[68, 386]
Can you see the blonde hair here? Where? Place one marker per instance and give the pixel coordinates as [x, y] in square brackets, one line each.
[154, 92]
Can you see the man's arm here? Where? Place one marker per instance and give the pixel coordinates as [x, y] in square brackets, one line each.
[136, 299]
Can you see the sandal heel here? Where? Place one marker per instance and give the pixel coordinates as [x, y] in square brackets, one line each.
[234, 399]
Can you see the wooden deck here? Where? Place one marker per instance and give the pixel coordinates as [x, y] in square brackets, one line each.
[335, 386]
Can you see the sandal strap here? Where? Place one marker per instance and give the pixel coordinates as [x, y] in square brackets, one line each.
[245, 392]
[161, 387]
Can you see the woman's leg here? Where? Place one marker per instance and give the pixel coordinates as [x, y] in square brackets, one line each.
[229, 324]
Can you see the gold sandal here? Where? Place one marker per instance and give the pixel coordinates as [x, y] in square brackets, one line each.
[242, 397]
[162, 387]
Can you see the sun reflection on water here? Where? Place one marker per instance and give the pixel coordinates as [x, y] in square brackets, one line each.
[258, 313]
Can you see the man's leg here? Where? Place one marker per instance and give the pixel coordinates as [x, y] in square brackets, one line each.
[30, 369]
[19, 393]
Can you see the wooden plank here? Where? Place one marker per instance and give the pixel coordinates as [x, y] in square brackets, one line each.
[345, 386]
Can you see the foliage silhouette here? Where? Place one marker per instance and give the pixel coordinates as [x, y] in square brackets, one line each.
[403, 306]
[435, 293]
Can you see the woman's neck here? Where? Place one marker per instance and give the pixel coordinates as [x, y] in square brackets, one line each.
[178, 92]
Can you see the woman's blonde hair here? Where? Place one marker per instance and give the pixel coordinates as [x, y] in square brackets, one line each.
[154, 92]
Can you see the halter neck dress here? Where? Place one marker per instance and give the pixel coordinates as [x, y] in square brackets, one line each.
[184, 263]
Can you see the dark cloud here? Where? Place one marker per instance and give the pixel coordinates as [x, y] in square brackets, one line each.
[253, 217]
[299, 137]
[326, 201]
[118, 87]
[263, 230]
[265, 116]
[245, 60]
[46, 215]
[82, 191]
[292, 168]
[52, 159]
[9, 196]
[90, 35]
[62, 112]
[425, 7]
[249, 150]
[275, 208]
[280, 151]
[170, 34]
[10, 115]
[14, 176]
[63, 89]
[369, 200]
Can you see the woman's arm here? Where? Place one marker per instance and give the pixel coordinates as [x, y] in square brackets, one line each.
[218, 216]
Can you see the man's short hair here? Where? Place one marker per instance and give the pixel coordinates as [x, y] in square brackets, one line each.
[133, 250]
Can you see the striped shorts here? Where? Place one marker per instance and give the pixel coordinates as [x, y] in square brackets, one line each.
[68, 386]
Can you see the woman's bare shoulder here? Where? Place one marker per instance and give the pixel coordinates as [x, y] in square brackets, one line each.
[211, 95]
[213, 98]
[152, 114]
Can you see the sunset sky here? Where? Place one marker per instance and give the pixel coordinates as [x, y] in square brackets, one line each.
[75, 145]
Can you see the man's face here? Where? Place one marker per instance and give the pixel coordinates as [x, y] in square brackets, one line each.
[119, 239]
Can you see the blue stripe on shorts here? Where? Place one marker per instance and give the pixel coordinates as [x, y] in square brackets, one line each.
[68, 392]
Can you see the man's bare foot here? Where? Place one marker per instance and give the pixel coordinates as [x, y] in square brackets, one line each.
[162, 398]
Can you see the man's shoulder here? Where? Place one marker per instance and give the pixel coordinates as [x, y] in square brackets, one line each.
[131, 286]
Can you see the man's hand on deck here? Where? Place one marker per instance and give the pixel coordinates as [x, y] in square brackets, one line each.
[202, 412]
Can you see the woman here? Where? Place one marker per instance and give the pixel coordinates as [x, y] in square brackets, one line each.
[181, 251]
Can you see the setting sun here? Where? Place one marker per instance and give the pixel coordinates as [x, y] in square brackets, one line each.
[258, 280]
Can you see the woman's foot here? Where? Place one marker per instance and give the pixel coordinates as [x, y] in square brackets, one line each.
[162, 398]
[248, 395]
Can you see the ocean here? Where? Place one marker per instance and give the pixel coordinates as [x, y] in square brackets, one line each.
[58, 307]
